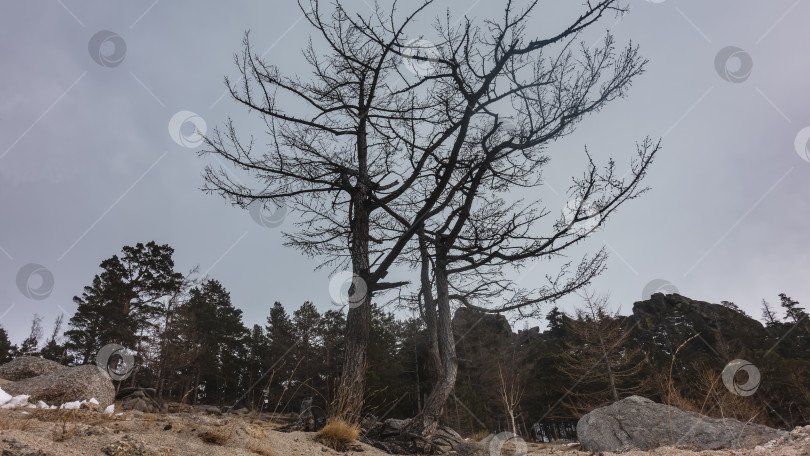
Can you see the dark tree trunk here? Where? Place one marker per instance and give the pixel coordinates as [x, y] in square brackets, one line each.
[425, 424]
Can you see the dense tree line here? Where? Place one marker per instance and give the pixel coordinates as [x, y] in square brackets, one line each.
[191, 344]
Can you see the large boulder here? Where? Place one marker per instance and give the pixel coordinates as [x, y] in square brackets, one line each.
[80, 383]
[27, 367]
[641, 424]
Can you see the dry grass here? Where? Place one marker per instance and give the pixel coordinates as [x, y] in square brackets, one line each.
[216, 436]
[478, 436]
[338, 434]
[261, 449]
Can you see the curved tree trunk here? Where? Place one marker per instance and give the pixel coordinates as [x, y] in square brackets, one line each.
[443, 346]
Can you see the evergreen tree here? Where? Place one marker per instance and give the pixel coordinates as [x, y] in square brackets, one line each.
[30, 344]
[769, 314]
[306, 325]
[792, 309]
[555, 322]
[7, 350]
[215, 328]
[123, 301]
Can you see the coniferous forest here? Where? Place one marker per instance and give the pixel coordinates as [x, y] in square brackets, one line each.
[191, 345]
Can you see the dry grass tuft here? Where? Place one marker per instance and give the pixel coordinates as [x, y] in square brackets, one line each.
[216, 436]
[479, 436]
[338, 434]
[261, 449]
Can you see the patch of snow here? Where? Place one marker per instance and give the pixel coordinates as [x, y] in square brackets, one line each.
[110, 410]
[16, 401]
[71, 405]
[4, 397]
[93, 401]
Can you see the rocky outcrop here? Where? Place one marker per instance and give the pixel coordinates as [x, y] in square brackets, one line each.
[28, 367]
[639, 423]
[70, 384]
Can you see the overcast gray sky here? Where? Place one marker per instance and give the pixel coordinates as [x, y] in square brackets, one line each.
[88, 164]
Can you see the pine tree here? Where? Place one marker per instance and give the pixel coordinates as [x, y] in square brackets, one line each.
[792, 309]
[7, 350]
[215, 329]
[30, 344]
[769, 314]
[554, 318]
[123, 300]
[54, 350]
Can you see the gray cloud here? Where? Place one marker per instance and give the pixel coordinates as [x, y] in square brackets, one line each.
[88, 164]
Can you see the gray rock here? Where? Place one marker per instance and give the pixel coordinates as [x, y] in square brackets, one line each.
[639, 423]
[79, 383]
[28, 367]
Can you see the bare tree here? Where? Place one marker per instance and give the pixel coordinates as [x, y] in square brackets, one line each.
[368, 155]
[598, 359]
[511, 393]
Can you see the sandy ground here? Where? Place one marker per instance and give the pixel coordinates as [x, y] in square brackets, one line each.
[84, 432]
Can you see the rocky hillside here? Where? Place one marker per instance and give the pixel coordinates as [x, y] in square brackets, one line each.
[709, 336]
